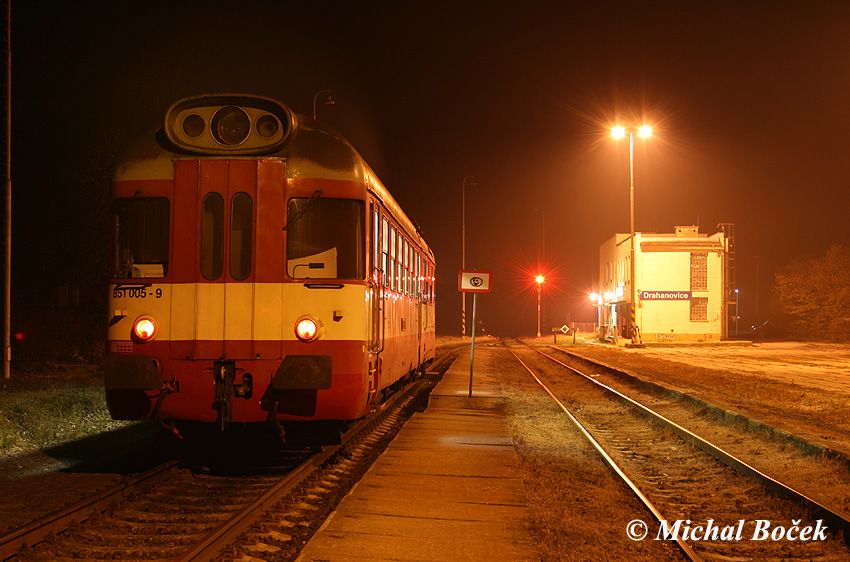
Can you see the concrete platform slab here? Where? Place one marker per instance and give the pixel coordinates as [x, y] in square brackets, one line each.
[447, 488]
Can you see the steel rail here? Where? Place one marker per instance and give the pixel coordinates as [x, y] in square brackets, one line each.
[835, 517]
[656, 513]
[35, 531]
[211, 546]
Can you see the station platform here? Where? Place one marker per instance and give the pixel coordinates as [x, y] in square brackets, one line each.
[447, 488]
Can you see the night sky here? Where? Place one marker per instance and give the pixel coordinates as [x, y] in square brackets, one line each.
[750, 104]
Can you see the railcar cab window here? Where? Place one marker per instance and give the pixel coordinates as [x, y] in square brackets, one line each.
[141, 237]
[325, 239]
[212, 236]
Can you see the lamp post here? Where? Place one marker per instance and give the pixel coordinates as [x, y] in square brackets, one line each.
[618, 132]
[737, 292]
[539, 280]
[329, 100]
[471, 181]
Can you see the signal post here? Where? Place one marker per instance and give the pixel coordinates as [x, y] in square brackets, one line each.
[473, 282]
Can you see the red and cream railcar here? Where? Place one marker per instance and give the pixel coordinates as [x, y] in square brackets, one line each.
[262, 272]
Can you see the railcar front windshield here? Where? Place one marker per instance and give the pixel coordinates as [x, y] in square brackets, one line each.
[325, 238]
[141, 237]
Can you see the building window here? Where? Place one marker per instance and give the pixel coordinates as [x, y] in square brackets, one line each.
[699, 309]
[699, 271]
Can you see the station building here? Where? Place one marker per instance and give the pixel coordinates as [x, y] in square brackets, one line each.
[685, 284]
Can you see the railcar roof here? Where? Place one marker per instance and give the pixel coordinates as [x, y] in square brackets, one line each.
[312, 150]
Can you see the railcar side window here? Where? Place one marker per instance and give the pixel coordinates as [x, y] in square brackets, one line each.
[212, 236]
[327, 239]
[418, 276]
[392, 259]
[376, 247]
[385, 243]
[405, 284]
[141, 236]
[241, 220]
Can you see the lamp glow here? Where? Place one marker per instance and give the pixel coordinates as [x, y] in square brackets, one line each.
[618, 132]
[645, 131]
[306, 329]
[144, 329]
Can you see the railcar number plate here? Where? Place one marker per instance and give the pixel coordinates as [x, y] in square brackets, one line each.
[136, 293]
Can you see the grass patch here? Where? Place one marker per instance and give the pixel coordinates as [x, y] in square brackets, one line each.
[50, 405]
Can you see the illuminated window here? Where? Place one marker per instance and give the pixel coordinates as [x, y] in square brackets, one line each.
[385, 247]
[699, 309]
[418, 276]
[699, 271]
[376, 236]
[393, 272]
[424, 281]
[406, 269]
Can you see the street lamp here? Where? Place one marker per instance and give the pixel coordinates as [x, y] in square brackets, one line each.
[329, 100]
[539, 280]
[471, 181]
[619, 132]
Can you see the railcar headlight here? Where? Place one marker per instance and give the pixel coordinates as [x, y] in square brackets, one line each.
[144, 328]
[230, 125]
[307, 329]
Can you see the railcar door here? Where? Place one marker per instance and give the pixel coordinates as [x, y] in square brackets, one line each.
[216, 307]
[376, 298]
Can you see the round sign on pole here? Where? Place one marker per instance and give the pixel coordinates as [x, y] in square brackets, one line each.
[474, 282]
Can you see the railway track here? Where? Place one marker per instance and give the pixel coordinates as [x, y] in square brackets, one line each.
[680, 476]
[172, 512]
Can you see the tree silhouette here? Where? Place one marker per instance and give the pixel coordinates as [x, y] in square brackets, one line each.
[815, 295]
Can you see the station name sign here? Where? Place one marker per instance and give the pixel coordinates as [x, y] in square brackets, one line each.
[665, 295]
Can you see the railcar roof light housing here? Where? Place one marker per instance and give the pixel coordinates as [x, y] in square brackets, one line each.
[228, 124]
